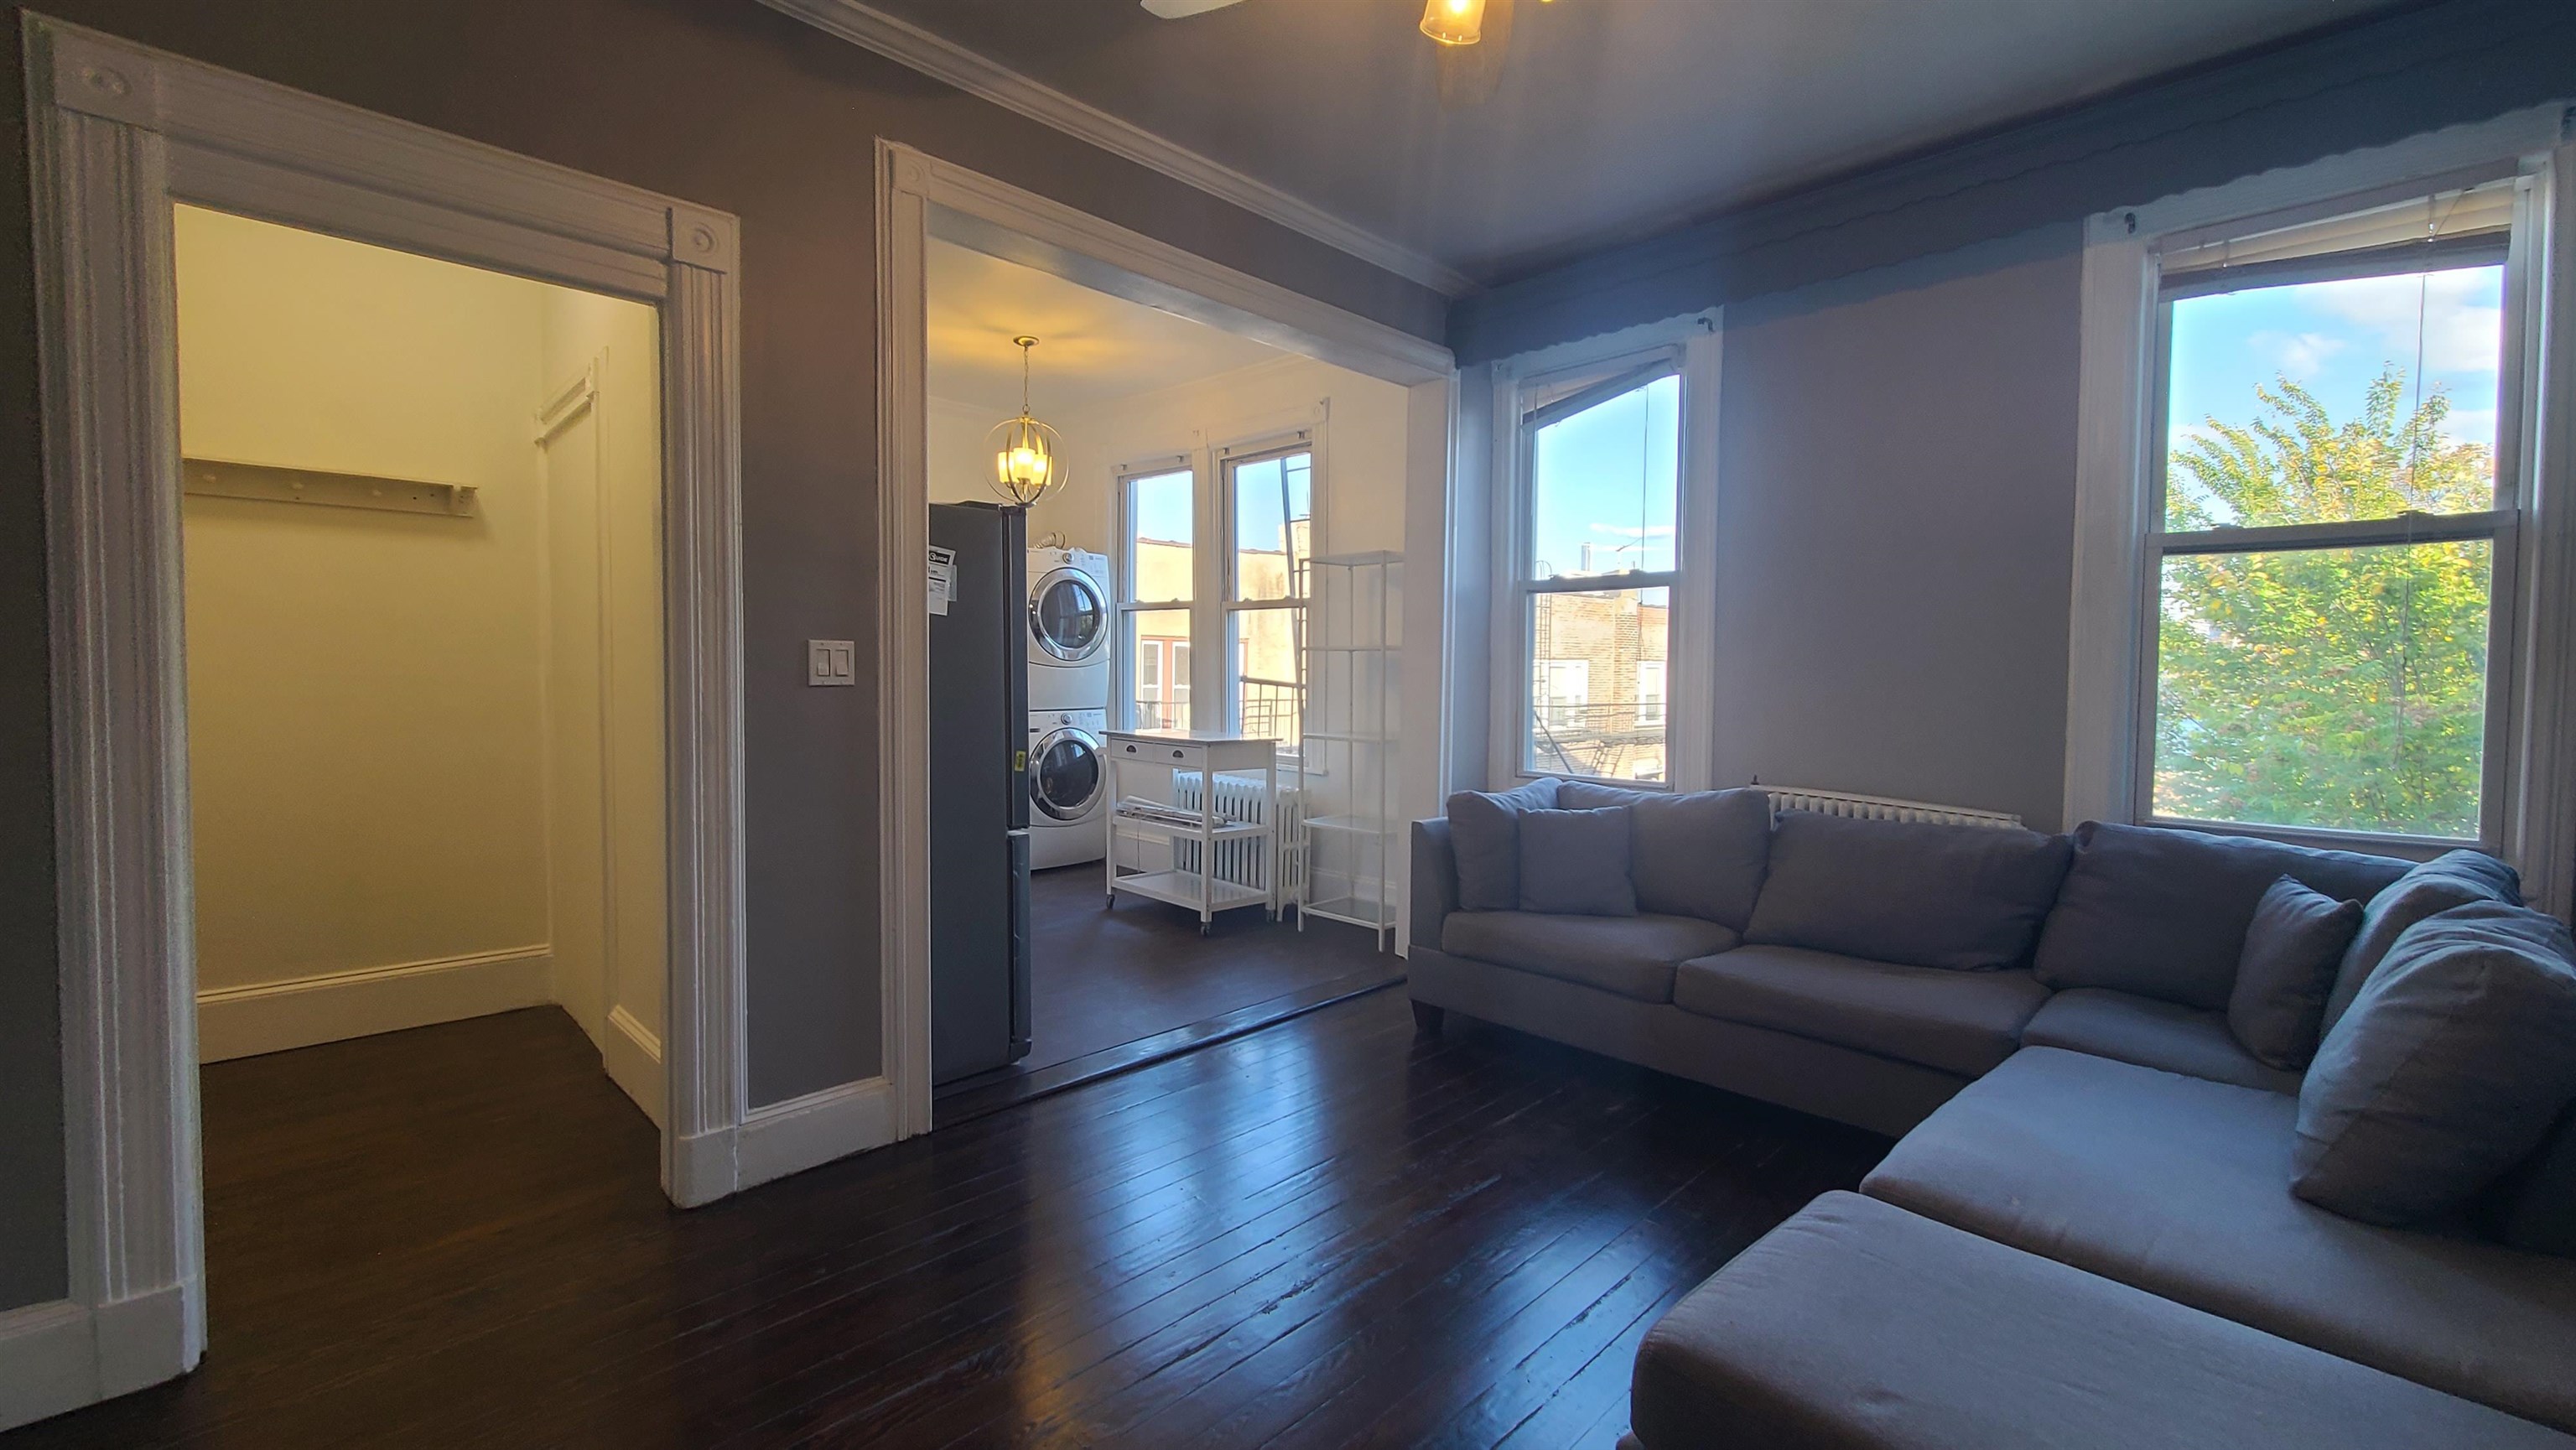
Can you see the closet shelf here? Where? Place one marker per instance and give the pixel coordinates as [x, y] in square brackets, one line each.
[274, 483]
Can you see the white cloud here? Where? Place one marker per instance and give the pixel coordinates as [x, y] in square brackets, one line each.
[2297, 356]
[2471, 425]
[2459, 335]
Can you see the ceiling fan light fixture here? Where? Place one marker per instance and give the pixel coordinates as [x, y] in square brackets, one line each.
[1454, 22]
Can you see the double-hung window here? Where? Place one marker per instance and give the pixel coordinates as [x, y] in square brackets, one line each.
[2332, 521]
[1270, 505]
[1157, 561]
[1594, 565]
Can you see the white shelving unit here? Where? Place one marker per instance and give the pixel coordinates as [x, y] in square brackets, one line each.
[1347, 758]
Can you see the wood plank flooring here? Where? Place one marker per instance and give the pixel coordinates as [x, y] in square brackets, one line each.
[1330, 1232]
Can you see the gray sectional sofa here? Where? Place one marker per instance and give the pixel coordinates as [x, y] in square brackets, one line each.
[2087, 1233]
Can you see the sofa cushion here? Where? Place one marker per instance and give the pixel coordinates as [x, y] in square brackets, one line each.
[2167, 1035]
[2181, 1187]
[2292, 947]
[1964, 897]
[1859, 1324]
[2450, 1068]
[1633, 956]
[1484, 831]
[2163, 912]
[1962, 1022]
[1575, 863]
[2454, 878]
[1696, 853]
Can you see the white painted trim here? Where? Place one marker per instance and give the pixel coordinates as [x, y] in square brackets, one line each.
[48, 1362]
[117, 132]
[2106, 660]
[334, 1006]
[632, 1055]
[945, 60]
[913, 192]
[806, 1132]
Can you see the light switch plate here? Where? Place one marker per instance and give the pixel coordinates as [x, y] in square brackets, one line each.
[831, 662]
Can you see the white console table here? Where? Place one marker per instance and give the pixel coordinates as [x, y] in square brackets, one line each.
[1135, 756]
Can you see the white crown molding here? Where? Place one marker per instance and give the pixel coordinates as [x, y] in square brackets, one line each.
[944, 59]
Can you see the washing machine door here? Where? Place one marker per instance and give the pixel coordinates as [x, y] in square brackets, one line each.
[1068, 618]
[1065, 774]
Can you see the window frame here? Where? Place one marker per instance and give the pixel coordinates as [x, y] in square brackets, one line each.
[1230, 458]
[2498, 526]
[2533, 817]
[1548, 392]
[1125, 603]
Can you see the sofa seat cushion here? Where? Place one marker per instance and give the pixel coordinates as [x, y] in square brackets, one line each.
[2181, 1187]
[1962, 1022]
[1633, 956]
[2162, 912]
[2130, 1028]
[1859, 1324]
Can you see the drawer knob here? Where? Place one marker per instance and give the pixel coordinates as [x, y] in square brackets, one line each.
[1179, 755]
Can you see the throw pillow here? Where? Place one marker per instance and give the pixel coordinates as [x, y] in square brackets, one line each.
[1698, 853]
[1484, 832]
[1575, 863]
[2448, 1070]
[2533, 1208]
[2454, 878]
[2291, 952]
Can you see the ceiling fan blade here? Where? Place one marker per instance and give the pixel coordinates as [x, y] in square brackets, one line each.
[1183, 9]
[1469, 74]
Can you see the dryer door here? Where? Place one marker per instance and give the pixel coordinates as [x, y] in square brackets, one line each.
[1065, 774]
[1068, 618]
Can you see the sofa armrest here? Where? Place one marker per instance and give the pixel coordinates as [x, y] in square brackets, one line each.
[1435, 880]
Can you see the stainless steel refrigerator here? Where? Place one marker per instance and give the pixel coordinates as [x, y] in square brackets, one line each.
[979, 798]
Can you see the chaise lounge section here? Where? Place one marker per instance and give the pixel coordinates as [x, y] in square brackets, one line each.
[2098, 1226]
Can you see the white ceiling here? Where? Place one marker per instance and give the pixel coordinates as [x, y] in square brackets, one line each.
[1092, 347]
[1614, 118]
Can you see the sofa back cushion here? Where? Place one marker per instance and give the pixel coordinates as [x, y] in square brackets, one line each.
[2533, 1207]
[2291, 949]
[1484, 832]
[2450, 1068]
[2163, 913]
[2454, 878]
[1699, 853]
[1575, 863]
[1964, 897]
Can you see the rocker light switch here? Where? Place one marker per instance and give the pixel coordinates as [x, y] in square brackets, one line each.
[831, 662]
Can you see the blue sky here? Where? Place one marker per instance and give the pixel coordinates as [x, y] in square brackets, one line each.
[1607, 477]
[2333, 338]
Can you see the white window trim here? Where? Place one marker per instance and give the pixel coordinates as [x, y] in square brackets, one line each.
[2535, 825]
[1306, 438]
[1696, 344]
[1122, 570]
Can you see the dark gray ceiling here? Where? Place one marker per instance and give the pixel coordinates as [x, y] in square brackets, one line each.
[1614, 118]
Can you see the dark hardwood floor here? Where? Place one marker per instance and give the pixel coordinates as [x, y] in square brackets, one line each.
[1328, 1232]
[1099, 977]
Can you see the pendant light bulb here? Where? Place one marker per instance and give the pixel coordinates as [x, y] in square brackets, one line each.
[1454, 22]
[1024, 448]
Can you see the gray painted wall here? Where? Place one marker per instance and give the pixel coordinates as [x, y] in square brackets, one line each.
[1895, 530]
[2379, 81]
[728, 104]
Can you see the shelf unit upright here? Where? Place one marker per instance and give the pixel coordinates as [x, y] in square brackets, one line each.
[1346, 773]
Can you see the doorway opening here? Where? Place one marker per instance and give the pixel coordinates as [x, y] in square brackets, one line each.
[1189, 580]
[422, 542]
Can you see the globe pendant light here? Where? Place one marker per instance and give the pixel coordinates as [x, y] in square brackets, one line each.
[1024, 461]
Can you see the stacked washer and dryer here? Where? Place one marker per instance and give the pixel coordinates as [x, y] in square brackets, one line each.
[1069, 677]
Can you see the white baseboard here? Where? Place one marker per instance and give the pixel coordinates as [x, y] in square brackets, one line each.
[275, 1016]
[633, 1056]
[802, 1133]
[60, 1356]
[702, 1167]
